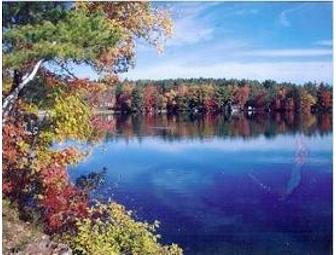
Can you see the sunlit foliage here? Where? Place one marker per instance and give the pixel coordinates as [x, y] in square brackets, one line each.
[45, 103]
[110, 229]
[218, 95]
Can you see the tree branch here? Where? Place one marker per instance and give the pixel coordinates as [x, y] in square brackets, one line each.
[9, 101]
[66, 69]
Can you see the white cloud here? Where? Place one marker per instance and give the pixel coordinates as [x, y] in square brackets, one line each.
[298, 72]
[241, 57]
[288, 53]
[324, 43]
[284, 15]
[283, 19]
[187, 31]
[189, 28]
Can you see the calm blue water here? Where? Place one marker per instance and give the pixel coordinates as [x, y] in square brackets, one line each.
[222, 186]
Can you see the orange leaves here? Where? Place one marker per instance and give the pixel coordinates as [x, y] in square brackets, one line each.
[67, 156]
[84, 85]
[133, 19]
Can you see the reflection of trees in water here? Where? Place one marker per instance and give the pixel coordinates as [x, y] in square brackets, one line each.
[174, 127]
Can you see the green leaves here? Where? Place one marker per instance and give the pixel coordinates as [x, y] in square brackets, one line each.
[22, 13]
[78, 37]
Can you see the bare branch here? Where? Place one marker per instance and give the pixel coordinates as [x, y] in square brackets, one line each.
[66, 69]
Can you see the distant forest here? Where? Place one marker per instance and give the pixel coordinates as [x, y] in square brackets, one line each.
[213, 95]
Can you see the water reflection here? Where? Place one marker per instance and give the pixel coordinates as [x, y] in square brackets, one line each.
[249, 185]
[175, 127]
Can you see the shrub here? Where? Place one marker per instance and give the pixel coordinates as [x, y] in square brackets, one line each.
[110, 229]
[62, 206]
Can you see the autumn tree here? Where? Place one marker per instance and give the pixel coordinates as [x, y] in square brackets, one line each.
[307, 101]
[324, 98]
[100, 35]
[42, 44]
[212, 95]
[241, 96]
[44, 102]
[149, 98]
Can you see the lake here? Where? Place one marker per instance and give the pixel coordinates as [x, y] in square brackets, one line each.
[248, 185]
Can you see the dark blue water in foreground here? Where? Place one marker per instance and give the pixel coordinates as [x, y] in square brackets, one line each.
[223, 186]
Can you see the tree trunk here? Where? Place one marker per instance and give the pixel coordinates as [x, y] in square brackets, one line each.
[9, 101]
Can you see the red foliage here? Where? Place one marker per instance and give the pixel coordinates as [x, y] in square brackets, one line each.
[149, 98]
[61, 201]
[326, 122]
[84, 84]
[13, 133]
[7, 187]
[261, 101]
[326, 100]
[54, 175]
[103, 123]
[14, 175]
[62, 206]
[211, 105]
[241, 96]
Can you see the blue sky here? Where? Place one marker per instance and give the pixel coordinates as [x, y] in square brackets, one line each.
[284, 41]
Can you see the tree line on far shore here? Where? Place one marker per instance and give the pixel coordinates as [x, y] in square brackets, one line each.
[213, 95]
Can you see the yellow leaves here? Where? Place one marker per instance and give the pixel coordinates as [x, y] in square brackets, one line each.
[134, 20]
[70, 117]
[29, 107]
[23, 146]
[116, 232]
[6, 86]
[306, 101]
